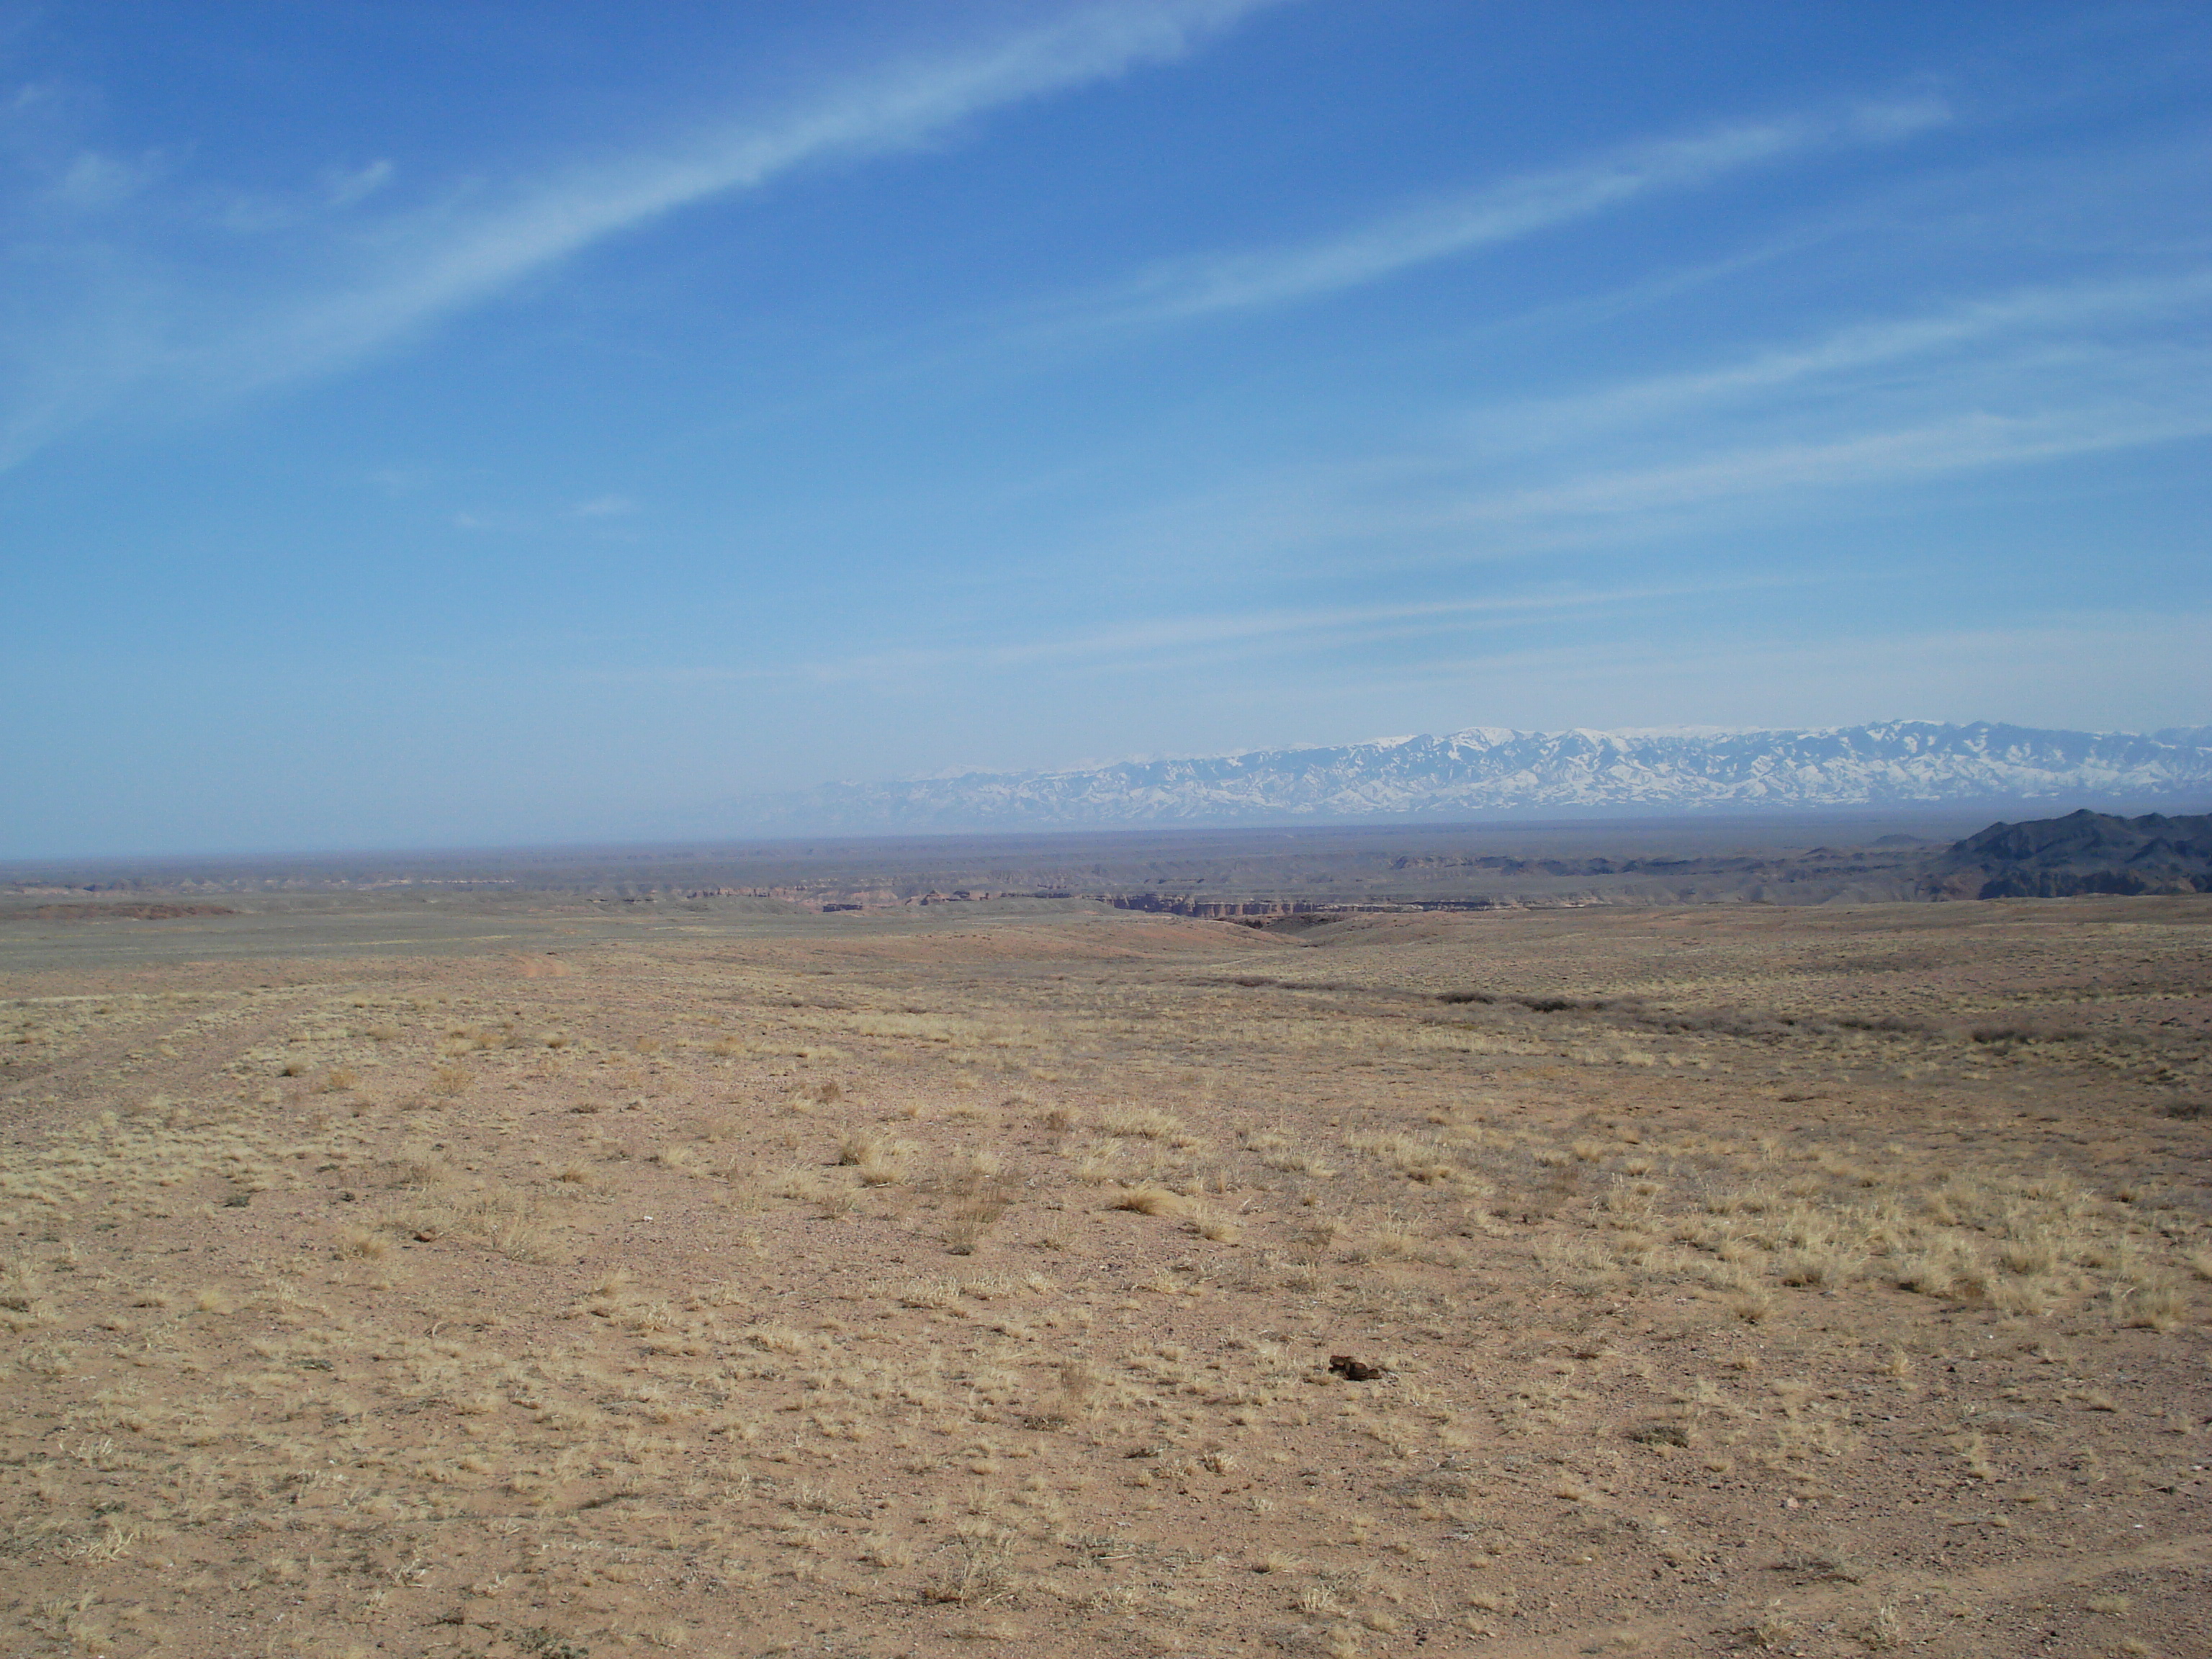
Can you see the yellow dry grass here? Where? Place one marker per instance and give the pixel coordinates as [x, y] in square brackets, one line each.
[1704, 1310]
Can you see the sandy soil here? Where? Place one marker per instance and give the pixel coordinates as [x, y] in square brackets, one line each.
[1810, 1282]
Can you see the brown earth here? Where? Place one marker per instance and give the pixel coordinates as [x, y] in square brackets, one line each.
[1798, 1281]
[93, 911]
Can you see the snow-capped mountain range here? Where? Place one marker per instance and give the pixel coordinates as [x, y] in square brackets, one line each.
[1486, 769]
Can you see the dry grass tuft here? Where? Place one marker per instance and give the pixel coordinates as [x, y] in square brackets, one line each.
[880, 1160]
[1774, 1630]
[1221, 1230]
[969, 1223]
[981, 1569]
[2155, 1307]
[1883, 1630]
[1142, 1123]
[362, 1242]
[1148, 1199]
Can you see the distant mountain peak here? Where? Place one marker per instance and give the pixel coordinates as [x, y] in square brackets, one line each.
[1483, 770]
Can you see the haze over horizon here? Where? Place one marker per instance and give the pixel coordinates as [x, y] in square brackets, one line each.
[442, 424]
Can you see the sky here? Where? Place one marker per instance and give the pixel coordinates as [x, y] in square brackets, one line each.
[442, 424]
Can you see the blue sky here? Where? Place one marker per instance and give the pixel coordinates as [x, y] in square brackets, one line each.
[434, 424]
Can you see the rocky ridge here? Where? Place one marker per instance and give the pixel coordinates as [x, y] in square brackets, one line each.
[2082, 853]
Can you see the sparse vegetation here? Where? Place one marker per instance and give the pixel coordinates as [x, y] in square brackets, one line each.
[991, 1289]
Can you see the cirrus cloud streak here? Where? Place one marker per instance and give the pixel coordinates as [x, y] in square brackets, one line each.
[152, 327]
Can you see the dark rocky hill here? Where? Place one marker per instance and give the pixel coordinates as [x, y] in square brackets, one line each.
[2084, 852]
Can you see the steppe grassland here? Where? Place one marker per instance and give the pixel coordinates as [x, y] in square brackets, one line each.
[1806, 1283]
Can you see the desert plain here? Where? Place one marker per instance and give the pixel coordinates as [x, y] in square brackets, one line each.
[719, 1277]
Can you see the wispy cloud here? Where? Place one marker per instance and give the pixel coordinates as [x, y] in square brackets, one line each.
[415, 269]
[1486, 217]
[343, 186]
[2013, 380]
[604, 507]
[1187, 638]
[1961, 443]
[2131, 664]
[2022, 314]
[463, 259]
